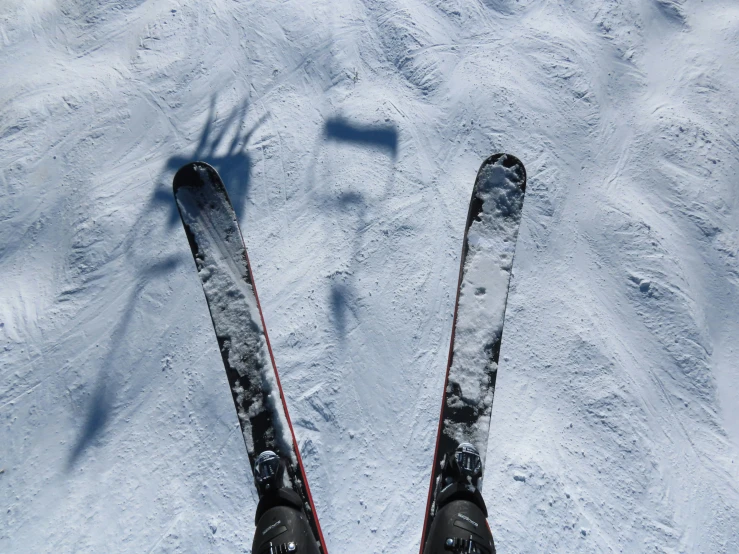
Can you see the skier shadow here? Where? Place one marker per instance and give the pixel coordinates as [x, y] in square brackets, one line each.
[100, 407]
[98, 416]
[379, 137]
[226, 150]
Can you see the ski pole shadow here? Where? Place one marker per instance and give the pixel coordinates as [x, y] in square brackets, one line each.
[225, 148]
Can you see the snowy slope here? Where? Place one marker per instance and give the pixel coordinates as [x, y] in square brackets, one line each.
[349, 134]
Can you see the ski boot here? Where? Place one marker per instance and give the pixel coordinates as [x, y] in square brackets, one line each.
[459, 523]
[282, 527]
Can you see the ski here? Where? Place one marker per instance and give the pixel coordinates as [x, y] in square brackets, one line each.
[488, 247]
[225, 273]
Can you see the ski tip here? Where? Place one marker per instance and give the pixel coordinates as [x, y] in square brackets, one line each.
[510, 161]
[191, 175]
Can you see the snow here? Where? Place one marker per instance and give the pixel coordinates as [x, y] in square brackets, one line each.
[348, 135]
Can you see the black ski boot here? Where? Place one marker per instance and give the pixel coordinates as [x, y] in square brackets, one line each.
[282, 527]
[459, 523]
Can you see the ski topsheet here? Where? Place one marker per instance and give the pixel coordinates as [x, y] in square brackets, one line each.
[488, 246]
[225, 272]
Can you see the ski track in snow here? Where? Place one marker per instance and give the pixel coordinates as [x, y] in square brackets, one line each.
[348, 135]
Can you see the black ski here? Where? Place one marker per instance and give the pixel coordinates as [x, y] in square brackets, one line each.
[225, 273]
[488, 247]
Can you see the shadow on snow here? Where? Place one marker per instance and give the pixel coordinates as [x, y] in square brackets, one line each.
[379, 137]
[225, 149]
[384, 137]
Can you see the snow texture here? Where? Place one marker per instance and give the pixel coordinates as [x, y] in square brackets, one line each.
[223, 267]
[348, 134]
[483, 291]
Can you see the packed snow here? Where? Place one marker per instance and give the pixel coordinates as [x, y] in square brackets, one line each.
[348, 134]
